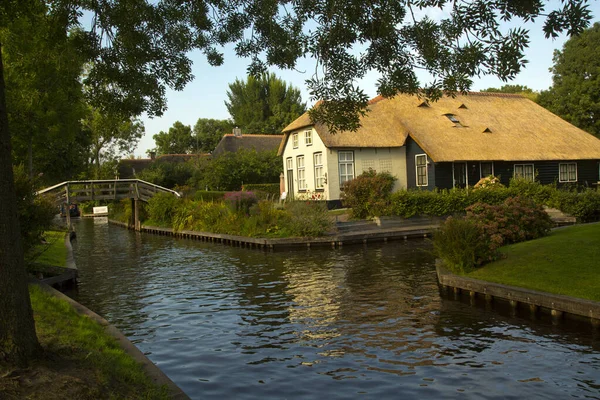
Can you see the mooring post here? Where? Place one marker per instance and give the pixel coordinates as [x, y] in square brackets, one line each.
[136, 221]
[68, 209]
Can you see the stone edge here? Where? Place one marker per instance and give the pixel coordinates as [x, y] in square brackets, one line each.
[553, 302]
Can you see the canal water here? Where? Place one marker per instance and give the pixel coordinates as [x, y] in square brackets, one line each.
[358, 322]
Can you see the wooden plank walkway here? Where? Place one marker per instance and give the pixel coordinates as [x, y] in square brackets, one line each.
[270, 244]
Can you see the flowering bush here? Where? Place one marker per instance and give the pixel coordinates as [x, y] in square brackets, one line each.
[516, 220]
[466, 243]
[368, 194]
[240, 201]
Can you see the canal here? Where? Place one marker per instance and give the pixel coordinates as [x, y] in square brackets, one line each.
[225, 322]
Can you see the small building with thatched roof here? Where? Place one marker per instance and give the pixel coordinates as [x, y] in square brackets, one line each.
[231, 143]
[452, 142]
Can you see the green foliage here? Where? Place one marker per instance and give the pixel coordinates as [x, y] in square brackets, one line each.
[585, 205]
[263, 189]
[35, 212]
[515, 89]
[307, 218]
[178, 140]
[44, 94]
[112, 135]
[368, 194]
[209, 196]
[240, 202]
[230, 171]
[263, 104]
[465, 243]
[208, 133]
[161, 207]
[575, 91]
[459, 244]
[87, 343]
[168, 174]
[515, 220]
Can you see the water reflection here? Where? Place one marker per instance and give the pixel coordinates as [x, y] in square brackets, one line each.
[226, 322]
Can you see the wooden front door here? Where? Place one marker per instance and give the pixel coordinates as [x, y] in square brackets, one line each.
[460, 175]
[290, 178]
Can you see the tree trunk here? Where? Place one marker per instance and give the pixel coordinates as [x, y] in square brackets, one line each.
[18, 340]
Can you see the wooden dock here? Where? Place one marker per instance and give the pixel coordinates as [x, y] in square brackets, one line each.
[271, 244]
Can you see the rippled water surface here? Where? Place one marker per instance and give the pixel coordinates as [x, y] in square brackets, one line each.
[367, 322]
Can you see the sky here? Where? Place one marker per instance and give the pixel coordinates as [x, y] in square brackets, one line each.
[205, 96]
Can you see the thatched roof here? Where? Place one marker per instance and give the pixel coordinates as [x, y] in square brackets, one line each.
[231, 143]
[491, 126]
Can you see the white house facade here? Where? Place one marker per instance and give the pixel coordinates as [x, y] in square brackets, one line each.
[313, 170]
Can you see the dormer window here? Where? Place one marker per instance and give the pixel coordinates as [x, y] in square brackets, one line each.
[452, 118]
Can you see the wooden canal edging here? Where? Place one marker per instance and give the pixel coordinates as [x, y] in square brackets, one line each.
[558, 305]
[332, 241]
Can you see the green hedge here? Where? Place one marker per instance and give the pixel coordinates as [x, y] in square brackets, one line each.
[584, 205]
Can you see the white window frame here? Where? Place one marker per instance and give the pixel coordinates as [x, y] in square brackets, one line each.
[522, 175]
[346, 162]
[289, 163]
[295, 140]
[417, 165]
[308, 140]
[301, 173]
[568, 173]
[481, 176]
[319, 171]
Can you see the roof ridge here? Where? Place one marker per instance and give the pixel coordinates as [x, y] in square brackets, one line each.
[495, 94]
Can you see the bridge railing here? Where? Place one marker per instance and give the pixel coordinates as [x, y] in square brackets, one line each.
[118, 189]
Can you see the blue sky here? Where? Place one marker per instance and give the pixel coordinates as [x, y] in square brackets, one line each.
[204, 97]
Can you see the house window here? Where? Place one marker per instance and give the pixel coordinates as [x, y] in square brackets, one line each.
[567, 172]
[346, 166]
[486, 169]
[319, 175]
[308, 138]
[289, 164]
[301, 173]
[524, 171]
[295, 140]
[421, 165]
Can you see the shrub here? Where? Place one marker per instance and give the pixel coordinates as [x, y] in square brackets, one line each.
[35, 212]
[240, 201]
[209, 195]
[516, 220]
[459, 243]
[263, 189]
[368, 194]
[161, 207]
[307, 218]
[585, 206]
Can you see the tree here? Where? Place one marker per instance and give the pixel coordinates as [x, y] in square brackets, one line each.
[138, 48]
[178, 140]
[208, 133]
[44, 95]
[263, 104]
[112, 135]
[515, 89]
[575, 91]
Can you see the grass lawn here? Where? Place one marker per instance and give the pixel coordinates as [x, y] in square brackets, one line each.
[79, 359]
[566, 262]
[53, 252]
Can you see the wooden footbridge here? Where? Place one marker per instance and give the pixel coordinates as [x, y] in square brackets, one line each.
[111, 189]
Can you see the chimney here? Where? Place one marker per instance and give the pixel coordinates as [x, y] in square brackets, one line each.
[237, 132]
[152, 155]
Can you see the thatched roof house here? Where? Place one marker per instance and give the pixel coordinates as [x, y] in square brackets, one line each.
[232, 143]
[131, 167]
[452, 142]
